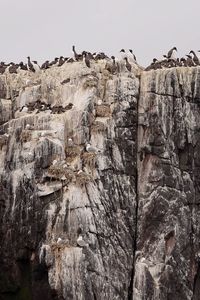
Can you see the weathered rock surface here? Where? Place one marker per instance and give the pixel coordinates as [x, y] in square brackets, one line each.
[67, 215]
[118, 223]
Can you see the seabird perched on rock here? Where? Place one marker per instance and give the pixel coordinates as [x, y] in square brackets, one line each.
[131, 56]
[91, 149]
[45, 65]
[114, 67]
[13, 68]
[30, 65]
[36, 66]
[111, 67]
[128, 65]
[2, 67]
[90, 55]
[123, 53]
[183, 62]
[22, 66]
[54, 62]
[195, 57]
[189, 61]
[80, 241]
[171, 53]
[86, 59]
[100, 56]
[153, 65]
[61, 61]
[77, 56]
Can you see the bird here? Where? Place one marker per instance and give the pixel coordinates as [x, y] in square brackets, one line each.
[70, 142]
[123, 53]
[86, 59]
[183, 62]
[45, 65]
[36, 66]
[77, 56]
[22, 66]
[131, 56]
[189, 61]
[111, 67]
[30, 65]
[100, 55]
[2, 67]
[128, 65]
[153, 65]
[171, 53]
[80, 241]
[195, 58]
[54, 62]
[61, 61]
[13, 68]
[91, 149]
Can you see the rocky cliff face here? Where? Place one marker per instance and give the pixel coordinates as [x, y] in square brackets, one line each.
[121, 222]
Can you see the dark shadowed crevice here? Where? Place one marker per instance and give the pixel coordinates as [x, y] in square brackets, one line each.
[130, 291]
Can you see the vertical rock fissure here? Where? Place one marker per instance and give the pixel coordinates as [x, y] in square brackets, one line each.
[130, 292]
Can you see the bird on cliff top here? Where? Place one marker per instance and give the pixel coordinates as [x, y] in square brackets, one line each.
[86, 59]
[100, 55]
[36, 66]
[77, 56]
[195, 57]
[131, 56]
[2, 67]
[189, 61]
[32, 66]
[22, 66]
[128, 65]
[123, 54]
[45, 65]
[13, 68]
[61, 61]
[54, 62]
[171, 53]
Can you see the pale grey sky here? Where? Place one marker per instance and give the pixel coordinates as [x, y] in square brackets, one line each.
[45, 29]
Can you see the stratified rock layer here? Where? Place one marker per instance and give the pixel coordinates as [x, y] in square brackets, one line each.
[121, 222]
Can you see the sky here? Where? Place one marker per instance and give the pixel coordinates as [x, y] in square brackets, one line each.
[44, 29]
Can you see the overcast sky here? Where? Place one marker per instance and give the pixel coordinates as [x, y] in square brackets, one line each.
[45, 29]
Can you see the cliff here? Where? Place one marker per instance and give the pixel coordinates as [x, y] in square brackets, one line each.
[120, 222]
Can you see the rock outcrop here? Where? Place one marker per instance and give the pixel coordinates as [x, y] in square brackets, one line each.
[118, 222]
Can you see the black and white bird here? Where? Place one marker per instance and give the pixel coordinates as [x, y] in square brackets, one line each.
[128, 65]
[77, 56]
[189, 61]
[86, 59]
[61, 61]
[22, 66]
[45, 65]
[131, 56]
[13, 68]
[171, 53]
[195, 58]
[32, 66]
[123, 53]
[54, 62]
